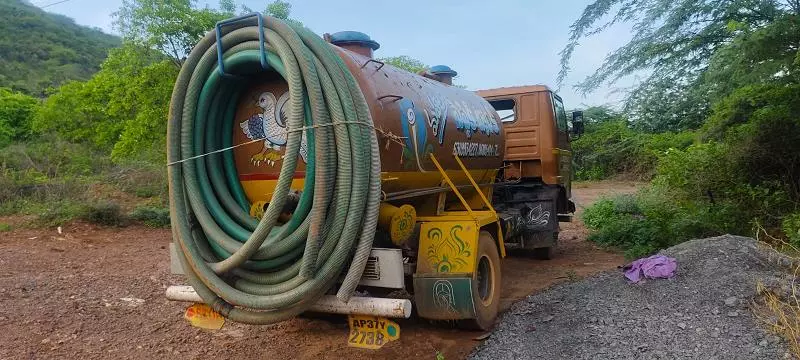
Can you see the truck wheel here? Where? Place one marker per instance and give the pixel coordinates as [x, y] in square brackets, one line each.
[546, 253]
[485, 284]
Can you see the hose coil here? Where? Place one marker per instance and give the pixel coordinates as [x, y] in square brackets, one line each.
[259, 271]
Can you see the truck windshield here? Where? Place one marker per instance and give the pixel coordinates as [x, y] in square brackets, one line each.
[506, 108]
[561, 114]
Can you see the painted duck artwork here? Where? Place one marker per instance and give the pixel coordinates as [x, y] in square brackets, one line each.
[270, 125]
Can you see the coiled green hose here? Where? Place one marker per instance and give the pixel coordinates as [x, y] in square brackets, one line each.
[260, 272]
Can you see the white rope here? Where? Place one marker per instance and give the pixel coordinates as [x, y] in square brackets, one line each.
[391, 136]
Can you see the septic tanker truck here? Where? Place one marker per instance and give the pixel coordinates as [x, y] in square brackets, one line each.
[308, 176]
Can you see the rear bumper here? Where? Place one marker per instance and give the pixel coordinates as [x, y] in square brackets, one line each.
[390, 308]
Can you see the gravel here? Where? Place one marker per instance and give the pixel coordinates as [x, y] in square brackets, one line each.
[702, 313]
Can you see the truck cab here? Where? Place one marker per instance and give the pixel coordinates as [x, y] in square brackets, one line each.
[536, 177]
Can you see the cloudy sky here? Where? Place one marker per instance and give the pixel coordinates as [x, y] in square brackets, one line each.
[490, 43]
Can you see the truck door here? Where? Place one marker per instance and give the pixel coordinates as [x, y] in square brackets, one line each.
[564, 150]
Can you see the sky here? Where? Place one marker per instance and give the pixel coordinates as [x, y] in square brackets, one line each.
[490, 44]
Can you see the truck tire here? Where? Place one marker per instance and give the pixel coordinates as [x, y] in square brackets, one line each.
[485, 285]
[546, 253]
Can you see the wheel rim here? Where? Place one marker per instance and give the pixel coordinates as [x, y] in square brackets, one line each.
[485, 281]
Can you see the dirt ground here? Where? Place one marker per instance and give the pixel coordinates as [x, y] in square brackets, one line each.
[99, 293]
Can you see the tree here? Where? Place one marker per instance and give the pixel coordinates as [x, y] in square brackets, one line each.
[600, 114]
[674, 42]
[16, 111]
[175, 26]
[122, 109]
[406, 63]
[279, 9]
[170, 26]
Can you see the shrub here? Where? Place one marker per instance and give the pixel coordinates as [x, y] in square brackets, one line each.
[151, 216]
[104, 213]
[5, 227]
[643, 223]
[56, 213]
[613, 148]
[791, 227]
[697, 192]
[142, 179]
[51, 178]
[16, 111]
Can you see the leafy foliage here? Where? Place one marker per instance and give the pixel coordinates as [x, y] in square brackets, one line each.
[677, 43]
[611, 147]
[791, 227]
[171, 26]
[644, 223]
[16, 110]
[121, 109]
[39, 50]
[726, 68]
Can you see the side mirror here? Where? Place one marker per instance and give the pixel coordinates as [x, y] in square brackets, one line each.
[577, 123]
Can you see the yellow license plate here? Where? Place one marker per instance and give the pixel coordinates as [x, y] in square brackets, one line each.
[203, 316]
[371, 332]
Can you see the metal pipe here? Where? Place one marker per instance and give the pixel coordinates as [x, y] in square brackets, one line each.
[390, 308]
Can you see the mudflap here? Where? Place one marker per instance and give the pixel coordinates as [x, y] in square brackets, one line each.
[444, 296]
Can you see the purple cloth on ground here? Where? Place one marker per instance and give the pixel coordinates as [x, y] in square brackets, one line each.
[654, 267]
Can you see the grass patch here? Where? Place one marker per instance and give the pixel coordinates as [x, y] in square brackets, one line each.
[5, 227]
[58, 182]
[779, 309]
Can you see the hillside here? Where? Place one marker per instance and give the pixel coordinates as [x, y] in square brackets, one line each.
[40, 50]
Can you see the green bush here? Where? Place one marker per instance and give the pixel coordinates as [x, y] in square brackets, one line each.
[142, 179]
[54, 180]
[791, 227]
[105, 213]
[697, 192]
[54, 213]
[613, 148]
[643, 223]
[16, 111]
[151, 216]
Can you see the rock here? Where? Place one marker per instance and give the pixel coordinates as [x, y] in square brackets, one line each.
[682, 325]
[733, 314]
[731, 301]
[132, 301]
[548, 318]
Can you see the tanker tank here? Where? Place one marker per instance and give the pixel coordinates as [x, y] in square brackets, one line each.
[414, 116]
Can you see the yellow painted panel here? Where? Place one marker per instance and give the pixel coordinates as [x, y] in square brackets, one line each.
[261, 190]
[447, 247]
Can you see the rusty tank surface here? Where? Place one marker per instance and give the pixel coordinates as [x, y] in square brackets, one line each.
[414, 116]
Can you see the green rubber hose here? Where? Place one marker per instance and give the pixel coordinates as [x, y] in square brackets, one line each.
[256, 270]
